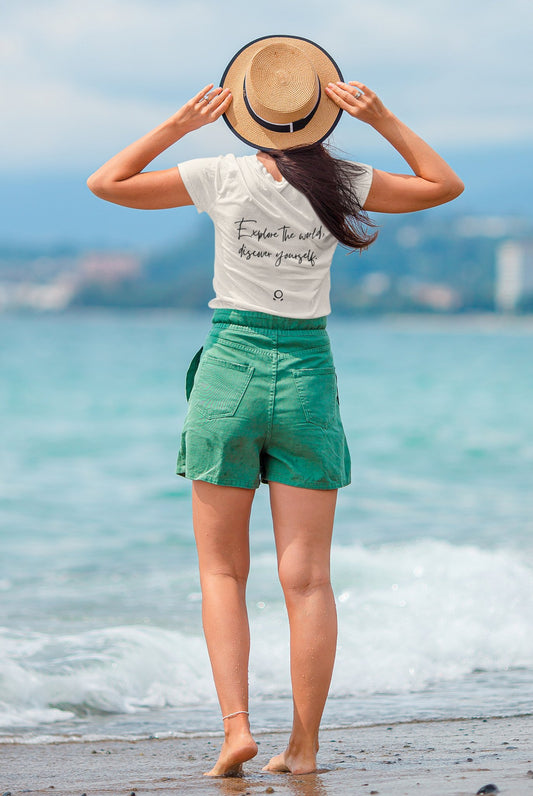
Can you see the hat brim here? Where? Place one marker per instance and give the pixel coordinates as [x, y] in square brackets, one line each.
[238, 118]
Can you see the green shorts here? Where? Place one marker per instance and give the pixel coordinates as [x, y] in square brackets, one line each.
[264, 406]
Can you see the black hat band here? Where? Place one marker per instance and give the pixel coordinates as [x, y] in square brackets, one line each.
[291, 127]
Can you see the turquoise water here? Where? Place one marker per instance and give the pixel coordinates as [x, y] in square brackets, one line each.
[100, 630]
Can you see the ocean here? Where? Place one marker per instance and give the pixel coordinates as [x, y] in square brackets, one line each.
[100, 628]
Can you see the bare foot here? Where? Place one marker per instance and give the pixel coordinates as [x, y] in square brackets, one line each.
[235, 751]
[285, 763]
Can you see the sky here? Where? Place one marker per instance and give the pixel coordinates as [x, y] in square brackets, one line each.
[79, 80]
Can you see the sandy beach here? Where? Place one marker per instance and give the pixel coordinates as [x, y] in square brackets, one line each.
[450, 758]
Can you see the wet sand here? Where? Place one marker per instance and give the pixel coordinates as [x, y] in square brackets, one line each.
[448, 758]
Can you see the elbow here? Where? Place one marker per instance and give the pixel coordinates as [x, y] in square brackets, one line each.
[450, 190]
[456, 188]
[94, 185]
[100, 187]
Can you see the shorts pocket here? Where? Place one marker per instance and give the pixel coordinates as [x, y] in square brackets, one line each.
[317, 390]
[219, 386]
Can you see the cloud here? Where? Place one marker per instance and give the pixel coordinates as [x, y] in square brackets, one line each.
[80, 80]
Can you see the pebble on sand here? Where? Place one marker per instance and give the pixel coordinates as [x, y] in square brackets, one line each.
[486, 789]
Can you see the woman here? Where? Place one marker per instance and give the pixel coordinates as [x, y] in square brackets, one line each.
[263, 402]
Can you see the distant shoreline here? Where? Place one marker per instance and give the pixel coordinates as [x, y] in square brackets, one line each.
[177, 735]
[458, 320]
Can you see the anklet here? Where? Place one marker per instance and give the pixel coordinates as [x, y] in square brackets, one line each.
[231, 715]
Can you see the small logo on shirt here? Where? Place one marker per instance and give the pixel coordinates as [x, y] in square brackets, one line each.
[278, 295]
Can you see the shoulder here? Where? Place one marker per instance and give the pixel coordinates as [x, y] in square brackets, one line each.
[217, 170]
[362, 171]
[198, 166]
[362, 180]
[209, 179]
[211, 164]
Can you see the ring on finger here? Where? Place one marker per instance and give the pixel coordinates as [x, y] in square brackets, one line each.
[205, 99]
[359, 95]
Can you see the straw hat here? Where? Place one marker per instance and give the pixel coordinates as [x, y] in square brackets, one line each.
[278, 83]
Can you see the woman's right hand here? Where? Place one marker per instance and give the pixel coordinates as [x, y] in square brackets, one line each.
[122, 179]
[204, 108]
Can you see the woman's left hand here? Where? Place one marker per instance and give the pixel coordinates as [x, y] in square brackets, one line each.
[433, 182]
[358, 100]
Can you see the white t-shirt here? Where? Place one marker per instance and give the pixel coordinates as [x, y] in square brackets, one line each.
[272, 252]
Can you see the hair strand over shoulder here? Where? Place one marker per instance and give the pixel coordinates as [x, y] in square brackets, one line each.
[329, 185]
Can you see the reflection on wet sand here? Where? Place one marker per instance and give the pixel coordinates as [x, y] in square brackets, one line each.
[293, 784]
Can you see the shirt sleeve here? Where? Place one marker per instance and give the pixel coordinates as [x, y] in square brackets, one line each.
[363, 181]
[200, 177]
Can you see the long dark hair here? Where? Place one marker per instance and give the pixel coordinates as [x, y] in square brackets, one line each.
[328, 183]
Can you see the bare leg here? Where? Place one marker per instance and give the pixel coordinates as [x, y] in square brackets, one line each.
[303, 525]
[221, 516]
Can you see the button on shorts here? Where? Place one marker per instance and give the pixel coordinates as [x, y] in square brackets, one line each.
[263, 405]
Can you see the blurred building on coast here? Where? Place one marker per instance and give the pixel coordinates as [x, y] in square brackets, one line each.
[514, 275]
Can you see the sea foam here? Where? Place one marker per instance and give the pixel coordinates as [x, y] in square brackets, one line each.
[411, 616]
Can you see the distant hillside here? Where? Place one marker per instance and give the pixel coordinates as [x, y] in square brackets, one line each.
[418, 262]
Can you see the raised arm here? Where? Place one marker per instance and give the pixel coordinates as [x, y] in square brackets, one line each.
[434, 182]
[122, 180]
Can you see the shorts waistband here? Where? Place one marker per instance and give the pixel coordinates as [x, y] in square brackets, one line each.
[262, 320]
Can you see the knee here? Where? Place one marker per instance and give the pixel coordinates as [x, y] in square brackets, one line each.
[224, 575]
[302, 580]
